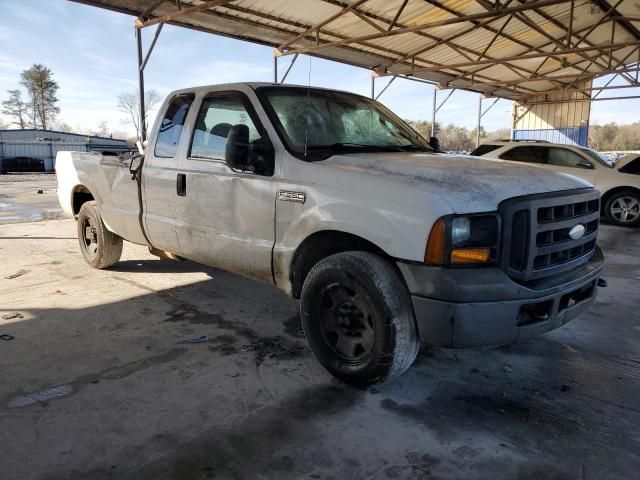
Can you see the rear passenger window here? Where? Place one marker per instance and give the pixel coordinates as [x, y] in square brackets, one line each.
[562, 157]
[172, 125]
[529, 154]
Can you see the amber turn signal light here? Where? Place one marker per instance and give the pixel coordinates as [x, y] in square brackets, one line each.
[435, 252]
[470, 255]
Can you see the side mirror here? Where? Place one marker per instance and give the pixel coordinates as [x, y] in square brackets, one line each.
[135, 164]
[434, 143]
[237, 149]
[584, 164]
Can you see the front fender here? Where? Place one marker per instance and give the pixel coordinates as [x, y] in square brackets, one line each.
[398, 230]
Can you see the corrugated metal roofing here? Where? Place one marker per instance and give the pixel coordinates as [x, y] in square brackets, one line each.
[508, 48]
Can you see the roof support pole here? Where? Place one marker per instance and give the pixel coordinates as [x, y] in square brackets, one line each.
[284, 77]
[143, 128]
[385, 87]
[433, 116]
[437, 108]
[479, 121]
[481, 114]
[373, 87]
[275, 69]
[153, 44]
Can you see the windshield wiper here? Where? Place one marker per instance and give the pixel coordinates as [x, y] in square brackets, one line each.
[414, 147]
[363, 146]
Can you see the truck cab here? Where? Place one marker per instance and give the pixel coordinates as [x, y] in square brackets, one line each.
[339, 203]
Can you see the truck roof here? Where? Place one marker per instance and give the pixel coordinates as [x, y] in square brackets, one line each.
[254, 85]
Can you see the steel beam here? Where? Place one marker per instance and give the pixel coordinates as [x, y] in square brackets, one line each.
[318, 26]
[397, 15]
[153, 44]
[529, 56]
[181, 13]
[284, 77]
[385, 87]
[418, 28]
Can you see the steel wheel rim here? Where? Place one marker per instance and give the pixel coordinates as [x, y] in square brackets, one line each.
[346, 322]
[625, 209]
[89, 237]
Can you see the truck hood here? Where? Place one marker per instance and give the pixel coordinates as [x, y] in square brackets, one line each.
[467, 184]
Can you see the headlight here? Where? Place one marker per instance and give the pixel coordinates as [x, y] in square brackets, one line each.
[460, 230]
[464, 239]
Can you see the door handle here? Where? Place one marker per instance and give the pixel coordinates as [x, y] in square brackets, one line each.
[181, 185]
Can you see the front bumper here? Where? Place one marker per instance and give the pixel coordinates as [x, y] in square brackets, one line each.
[469, 307]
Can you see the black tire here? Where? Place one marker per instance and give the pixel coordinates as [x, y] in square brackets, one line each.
[623, 208]
[358, 319]
[100, 247]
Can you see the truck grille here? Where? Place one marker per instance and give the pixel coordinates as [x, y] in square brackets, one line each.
[536, 239]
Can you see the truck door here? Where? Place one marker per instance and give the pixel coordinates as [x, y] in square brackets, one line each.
[160, 174]
[225, 217]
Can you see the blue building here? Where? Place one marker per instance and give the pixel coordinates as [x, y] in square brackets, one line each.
[31, 150]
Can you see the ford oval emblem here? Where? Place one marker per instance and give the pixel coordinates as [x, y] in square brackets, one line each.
[577, 232]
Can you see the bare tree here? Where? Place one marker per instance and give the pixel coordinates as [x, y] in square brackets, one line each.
[129, 104]
[102, 130]
[15, 108]
[63, 127]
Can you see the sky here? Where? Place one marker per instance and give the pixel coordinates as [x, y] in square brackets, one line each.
[92, 53]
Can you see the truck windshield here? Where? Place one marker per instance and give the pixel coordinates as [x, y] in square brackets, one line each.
[315, 124]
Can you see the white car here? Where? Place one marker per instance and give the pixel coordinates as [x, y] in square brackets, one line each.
[619, 183]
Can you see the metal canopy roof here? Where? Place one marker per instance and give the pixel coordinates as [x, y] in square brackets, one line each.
[511, 48]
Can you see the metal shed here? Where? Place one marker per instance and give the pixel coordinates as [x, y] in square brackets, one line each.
[35, 150]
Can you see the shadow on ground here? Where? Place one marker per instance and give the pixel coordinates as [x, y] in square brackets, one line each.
[106, 391]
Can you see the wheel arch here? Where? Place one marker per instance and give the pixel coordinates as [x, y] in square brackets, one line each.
[80, 194]
[322, 244]
[609, 193]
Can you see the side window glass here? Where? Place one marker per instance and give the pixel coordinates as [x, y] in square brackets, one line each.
[170, 131]
[525, 154]
[216, 118]
[561, 157]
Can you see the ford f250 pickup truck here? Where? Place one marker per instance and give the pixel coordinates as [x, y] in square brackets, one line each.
[339, 203]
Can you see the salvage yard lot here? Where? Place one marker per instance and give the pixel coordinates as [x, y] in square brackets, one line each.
[95, 384]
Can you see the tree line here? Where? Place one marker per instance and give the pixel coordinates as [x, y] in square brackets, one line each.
[454, 138]
[614, 137]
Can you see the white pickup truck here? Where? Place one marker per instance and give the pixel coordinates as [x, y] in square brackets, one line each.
[336, 201]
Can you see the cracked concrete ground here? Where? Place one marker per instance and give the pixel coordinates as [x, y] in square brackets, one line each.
[96, 386]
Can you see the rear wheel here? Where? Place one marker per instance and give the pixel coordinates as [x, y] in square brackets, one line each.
[100, 247]
[357, 316]
[623, 208]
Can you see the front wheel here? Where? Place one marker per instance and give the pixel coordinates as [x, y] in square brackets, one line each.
[357, 316]
[100, 247]
[623, 208]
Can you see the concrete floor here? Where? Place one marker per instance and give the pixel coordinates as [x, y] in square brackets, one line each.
[28, 198]
[95, 386]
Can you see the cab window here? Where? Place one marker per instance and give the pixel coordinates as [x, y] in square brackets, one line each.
[170, 131]
[526, 153]
[561, 157]
[218, 116]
